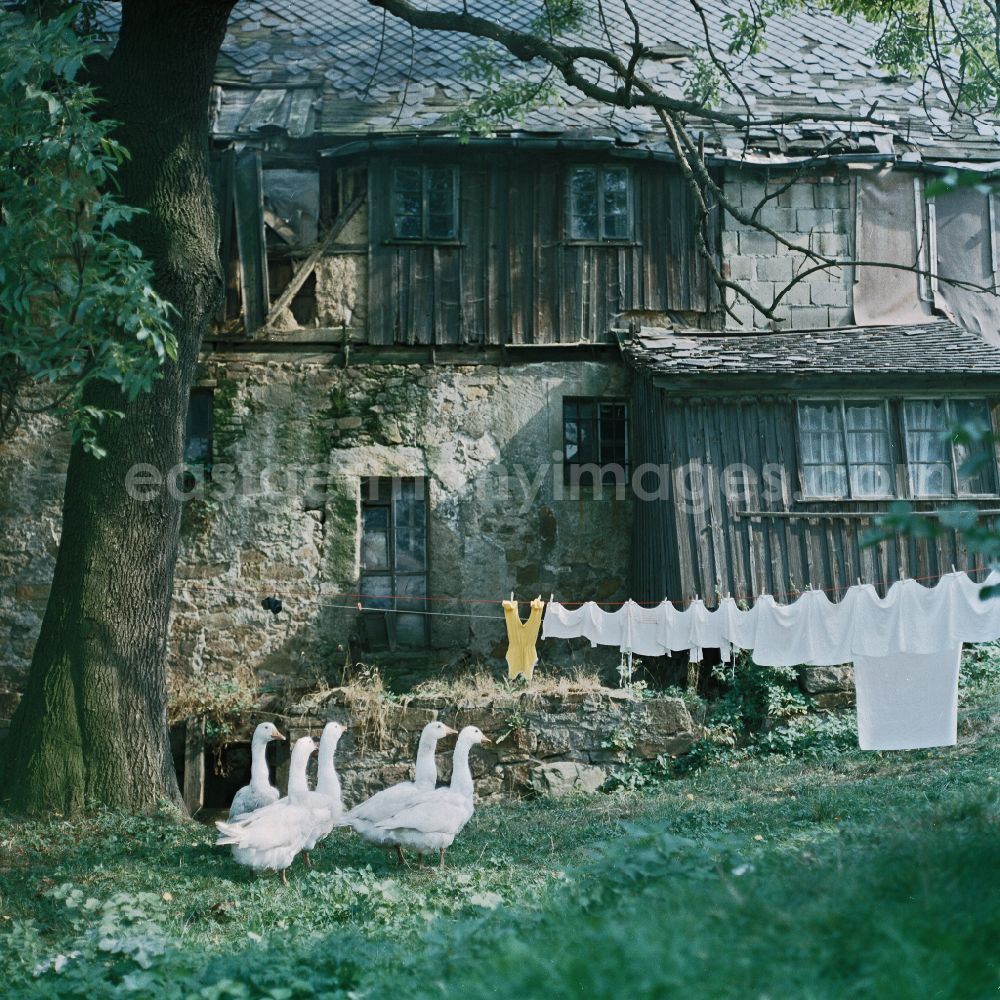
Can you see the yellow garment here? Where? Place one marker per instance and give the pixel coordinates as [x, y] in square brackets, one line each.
[521, 654]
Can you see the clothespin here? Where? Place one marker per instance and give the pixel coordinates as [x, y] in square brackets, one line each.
[512, 597]
[359, 607]
[859, 581]
[953, 567]
[552, 598]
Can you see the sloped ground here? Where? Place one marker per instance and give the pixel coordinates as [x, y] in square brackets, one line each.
[850, 875]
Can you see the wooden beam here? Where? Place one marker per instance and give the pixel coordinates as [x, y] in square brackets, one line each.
[194, 764]
[248, 197]
[309, 264]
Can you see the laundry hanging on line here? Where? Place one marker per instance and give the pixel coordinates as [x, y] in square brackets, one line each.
[905, 647]
[521, 637]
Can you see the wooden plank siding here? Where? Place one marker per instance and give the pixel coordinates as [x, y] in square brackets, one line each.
[710, 547]
[512, 276]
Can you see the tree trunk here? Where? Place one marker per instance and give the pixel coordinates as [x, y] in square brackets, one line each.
[92, 726]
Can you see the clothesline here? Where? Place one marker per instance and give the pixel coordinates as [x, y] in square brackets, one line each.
[682, 602]
[905, 647]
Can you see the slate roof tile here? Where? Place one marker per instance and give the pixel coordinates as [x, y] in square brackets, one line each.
[350, 48]
[923, 349]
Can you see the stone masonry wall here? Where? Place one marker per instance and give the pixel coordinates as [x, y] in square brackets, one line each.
[499, 517]
[814, 212]
[542, 743]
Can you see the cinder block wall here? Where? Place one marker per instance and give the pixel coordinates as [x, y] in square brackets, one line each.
[815, 212]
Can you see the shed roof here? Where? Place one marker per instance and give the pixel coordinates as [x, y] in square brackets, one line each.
[367, 73]
[927, 350]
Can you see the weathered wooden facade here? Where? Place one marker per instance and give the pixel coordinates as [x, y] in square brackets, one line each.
[515, 274]
[724, 503]
[505, 268]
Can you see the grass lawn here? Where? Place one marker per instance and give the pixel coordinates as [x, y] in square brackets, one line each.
[850, 875]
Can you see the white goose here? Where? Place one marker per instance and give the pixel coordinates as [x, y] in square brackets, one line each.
[363, 819]
[326, 800]
[432, 820]
[260, 791]
[270, 837]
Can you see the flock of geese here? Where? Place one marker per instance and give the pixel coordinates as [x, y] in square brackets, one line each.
[267, 832]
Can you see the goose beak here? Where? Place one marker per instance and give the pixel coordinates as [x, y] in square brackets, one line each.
[450, 732]
[486, 739]
[276, 735]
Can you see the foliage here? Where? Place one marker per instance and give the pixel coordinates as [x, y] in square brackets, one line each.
[860, 876]
[752, 697]
[76, 302]
[499, 97]
[220, 699]
[958, 41]
[980, 667]
[980, 535]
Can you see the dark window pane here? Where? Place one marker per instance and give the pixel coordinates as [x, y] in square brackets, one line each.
[441, 203]
[586, 442]
[411, 628]
[411, 536]
[570, 438]
[371, 588]
[615, 191]
[407, 209]
[975, 458]
[583, 203]
[595, 432]
[375, 538]
[198, 440]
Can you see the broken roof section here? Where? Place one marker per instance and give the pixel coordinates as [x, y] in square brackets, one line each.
[342, 68]
[929, 349]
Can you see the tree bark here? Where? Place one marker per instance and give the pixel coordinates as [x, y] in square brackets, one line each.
[92, 727]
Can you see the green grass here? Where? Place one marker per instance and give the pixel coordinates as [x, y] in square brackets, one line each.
[852, 875]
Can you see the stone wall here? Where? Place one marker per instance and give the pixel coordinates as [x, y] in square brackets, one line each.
[543, 743]
[294, 435]
[813, 212]
[32, 478]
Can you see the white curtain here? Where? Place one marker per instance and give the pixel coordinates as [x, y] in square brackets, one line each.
[928, 447]
[868, 454]
[822, 445]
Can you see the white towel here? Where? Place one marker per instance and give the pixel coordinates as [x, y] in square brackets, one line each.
[907, 701]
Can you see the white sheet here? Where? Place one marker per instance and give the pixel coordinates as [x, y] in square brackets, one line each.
[908, 701]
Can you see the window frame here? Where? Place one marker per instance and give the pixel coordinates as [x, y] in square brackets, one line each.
[392, 571]
[570, 465]
[842, 404]
[204, 465]
[600, 239]
[899, 451]
[424, 169]
[948, 400]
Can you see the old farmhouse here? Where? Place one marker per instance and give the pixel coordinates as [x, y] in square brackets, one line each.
[449, 368]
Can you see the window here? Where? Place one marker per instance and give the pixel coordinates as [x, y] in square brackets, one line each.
[425, 203]
[599, 203]
[198, 435]
[845, 450]
[937, 459]
[595, 441]
[394, 560]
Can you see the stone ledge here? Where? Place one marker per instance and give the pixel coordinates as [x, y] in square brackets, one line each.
[531, 731]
